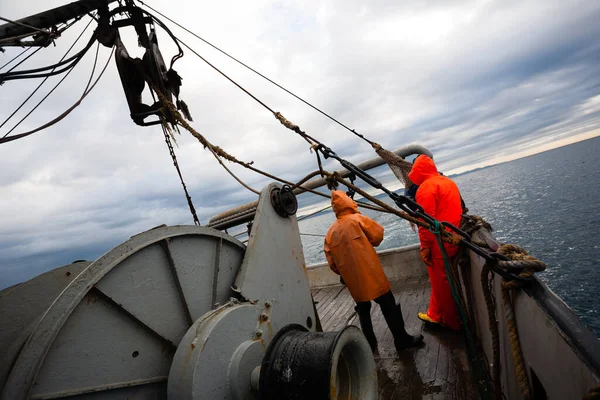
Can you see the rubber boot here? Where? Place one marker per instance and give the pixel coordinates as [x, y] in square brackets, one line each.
[393, 317]
[363, 309]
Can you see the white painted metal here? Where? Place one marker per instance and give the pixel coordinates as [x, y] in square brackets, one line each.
[209, 357]
[22, 306]
[274, 269]
[114, 329]
[217, 355]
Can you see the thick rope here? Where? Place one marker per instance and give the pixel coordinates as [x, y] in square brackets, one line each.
[482, 379]
[515, 344]
[447, 237]
[529, 265]
[493, 326]
[219, 153]
[525, 265]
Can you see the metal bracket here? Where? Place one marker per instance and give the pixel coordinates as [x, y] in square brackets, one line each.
[273, 268]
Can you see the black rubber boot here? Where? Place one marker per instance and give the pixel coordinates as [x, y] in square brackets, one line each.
[408, 342]
[363, 309]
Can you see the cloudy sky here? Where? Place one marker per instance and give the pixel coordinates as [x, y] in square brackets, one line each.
[477, 82]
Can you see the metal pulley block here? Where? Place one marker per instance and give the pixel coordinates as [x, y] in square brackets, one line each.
[284, 201]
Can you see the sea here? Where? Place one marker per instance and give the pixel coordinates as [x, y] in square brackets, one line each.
[548, 203]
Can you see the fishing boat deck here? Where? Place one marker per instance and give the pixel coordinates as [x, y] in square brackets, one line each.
[437, 370]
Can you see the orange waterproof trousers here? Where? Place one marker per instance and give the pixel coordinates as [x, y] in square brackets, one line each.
[442, 306]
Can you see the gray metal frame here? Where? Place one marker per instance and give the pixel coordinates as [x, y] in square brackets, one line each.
[25, 369]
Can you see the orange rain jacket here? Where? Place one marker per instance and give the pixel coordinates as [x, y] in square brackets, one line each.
[439, 196]
[350, 252]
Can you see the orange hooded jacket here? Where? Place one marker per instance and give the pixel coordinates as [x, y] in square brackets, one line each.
[350, 252]
[438, 195]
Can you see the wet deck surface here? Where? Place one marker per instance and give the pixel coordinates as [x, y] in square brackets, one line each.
[438, 370]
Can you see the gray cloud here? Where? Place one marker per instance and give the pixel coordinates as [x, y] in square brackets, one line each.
[471, 80]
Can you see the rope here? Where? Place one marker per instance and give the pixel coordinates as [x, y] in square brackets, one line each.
[219, 153]
[66, 112]
[446, 236]
[529, 265]
[493, 326]
[16, 57]
[515, 344]
[519, 262]
[484, 391]
[41, 83]
[259, 74]
[45, 32]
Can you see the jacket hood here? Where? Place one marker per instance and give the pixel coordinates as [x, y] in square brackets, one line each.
[342, 204]
[423, 169]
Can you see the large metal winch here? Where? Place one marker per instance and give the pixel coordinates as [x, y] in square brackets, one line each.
[182, 312]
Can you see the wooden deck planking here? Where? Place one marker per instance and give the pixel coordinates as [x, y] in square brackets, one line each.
[438, 370]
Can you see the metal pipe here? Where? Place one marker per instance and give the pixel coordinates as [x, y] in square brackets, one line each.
[245, 213]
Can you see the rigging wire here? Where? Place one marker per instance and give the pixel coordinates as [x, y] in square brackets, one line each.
[45, 32]
[54, 88]
[14, 58]
[27, 74]
[66, 112]
[21, 62]
[304, 135]
[41, 83]
[259, 74]
[73, 60]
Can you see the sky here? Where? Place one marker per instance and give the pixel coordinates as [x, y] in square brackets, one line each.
[476, 82]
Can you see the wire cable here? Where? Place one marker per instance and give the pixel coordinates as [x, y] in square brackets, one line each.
[304, 135]
[22, 61]
[26, 26]
[41, 83]
[54, 88]
[64, 114]
[14, 58]
[258, 73]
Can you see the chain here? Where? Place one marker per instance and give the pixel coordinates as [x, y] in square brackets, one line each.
[174, 157]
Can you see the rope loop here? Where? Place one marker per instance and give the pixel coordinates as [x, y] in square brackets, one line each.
[332, 181]
[435, 228]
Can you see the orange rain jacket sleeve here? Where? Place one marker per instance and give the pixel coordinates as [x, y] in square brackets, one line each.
[350, 252]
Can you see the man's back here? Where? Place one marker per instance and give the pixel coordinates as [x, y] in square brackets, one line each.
[350, 253]
[446, 195]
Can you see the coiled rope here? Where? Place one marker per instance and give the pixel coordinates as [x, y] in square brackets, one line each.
[526, 266]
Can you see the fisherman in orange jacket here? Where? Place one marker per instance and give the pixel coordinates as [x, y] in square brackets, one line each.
[439, 196]
[350, 254]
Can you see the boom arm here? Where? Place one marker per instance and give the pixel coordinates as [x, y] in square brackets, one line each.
[11, 33]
